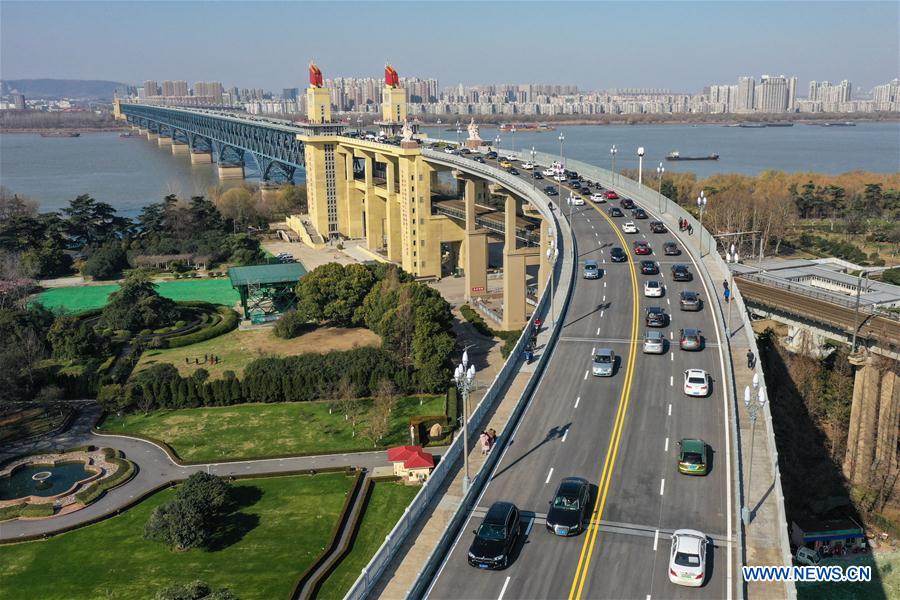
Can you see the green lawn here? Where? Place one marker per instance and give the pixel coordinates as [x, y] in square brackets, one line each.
[80, 298]
[254, 430]
[885, 580]
[282, 527]
[386, 505]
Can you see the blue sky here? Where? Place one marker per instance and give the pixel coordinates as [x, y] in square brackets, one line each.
[596, 45]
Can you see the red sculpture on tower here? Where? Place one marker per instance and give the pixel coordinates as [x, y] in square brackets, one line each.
[315, 76]
[391, 79]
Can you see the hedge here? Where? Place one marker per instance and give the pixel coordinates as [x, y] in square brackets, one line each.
[451, 405]
[421, 425]
[229, 321]
[97, 488]
[30, 511]
[11, 512]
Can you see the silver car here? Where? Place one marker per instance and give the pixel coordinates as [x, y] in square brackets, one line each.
[591, 269]
[654, 342]
[604, 362]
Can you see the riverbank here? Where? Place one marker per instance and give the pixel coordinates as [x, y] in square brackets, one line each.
[644, 119]
[66, 130]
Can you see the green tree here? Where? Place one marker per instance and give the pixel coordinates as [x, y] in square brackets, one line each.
[105, 262]
[334, 293]
[47, 260]
[91, 223]
[196, 590]
[136, 306]
[178, 524]
[72, 338]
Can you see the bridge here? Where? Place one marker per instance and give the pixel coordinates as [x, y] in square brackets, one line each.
[434, 213]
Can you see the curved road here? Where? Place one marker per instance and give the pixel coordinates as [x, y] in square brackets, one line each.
[619, 433]
[154, 469]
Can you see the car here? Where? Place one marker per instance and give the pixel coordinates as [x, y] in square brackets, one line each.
[505, 164]
[639, 213]
[671, 249]
[591, 270]
[527, 166]
[690, 301]
[615, 212]
[537, 175]
[693, 457]
[653, 289]
[491, 155]
[511, 157]
[512, 171]
[496, 537]
[627, 203]
[687, 558]
[604, 362]
[657, 227]
[551, 192]
[598, 198]
[449, 151]
[681, 273]
[571, 174]
[570, 507]
[548, 172]
[649, 267]
[696, 383]
[641, 247]
[616, 254]
[654, 342]
[691, 339]
[576, 200]
[611, 195]
[656, 317]
[478, 159]
[629, 227]
[560, 178]
[463, 151]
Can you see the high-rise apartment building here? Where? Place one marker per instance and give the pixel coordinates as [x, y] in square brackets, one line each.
[746, 92]
[151, 88]
[17, 100]
[290, 93]
[826, 93]
[771, 95]
[792, 94]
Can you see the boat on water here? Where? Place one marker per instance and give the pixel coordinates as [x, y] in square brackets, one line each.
[752, 125]
[127, 134]
[779, 124]
[677, 156]
[60, 134]
[525, 127]
[844, 124]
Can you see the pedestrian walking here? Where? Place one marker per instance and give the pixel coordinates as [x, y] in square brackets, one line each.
[727, 295]
[485, 442]
[724, 284]
[690, 230]
[751, 359]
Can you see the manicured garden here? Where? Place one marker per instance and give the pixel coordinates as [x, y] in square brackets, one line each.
[885, 580]
[237, 349]
[246, 431]
[27, 422]
[80, 298]
[386, 505]
[279, 528]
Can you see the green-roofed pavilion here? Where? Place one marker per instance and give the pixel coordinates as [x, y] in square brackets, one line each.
[266, 290]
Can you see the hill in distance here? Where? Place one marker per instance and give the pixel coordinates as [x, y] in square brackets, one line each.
[62, 88]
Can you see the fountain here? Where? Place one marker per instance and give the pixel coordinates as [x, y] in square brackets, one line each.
[41, 478]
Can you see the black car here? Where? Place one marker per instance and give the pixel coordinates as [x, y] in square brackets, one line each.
[512, 171]
[649, 267]
[627, 203]
[537, 175]
[551, 191]
[681, 273]
[617, 254]
[614, 211]
[491, 154]
[656, 317]
[657, 227]
[478, 159]
[671, 249]
[570, 506]
[690, 301]
[639, 213]
[496, 537]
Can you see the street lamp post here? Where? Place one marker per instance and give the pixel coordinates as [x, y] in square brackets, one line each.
[753, 408]
[640, 165]
[458, 133]
[552, 254]
[359, 125]
[612, 158]
[464, 377]
[701, 204]
[559, 174]
[533, 168]
[856, 327]
[513, 130]
[497, 142]
[731, 257]
[659, 173]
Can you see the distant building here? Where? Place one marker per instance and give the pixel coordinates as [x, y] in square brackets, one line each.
[792, 94]
[290, 93]
[887, 96]
[746, 92]
[771, 95]
[151, 88]
[17, 100]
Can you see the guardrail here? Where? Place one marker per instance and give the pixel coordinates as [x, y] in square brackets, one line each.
[446, 467]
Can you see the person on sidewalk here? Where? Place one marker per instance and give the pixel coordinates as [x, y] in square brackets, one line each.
[727, 295]
[485, 442]
[690, 230]
[751, 360]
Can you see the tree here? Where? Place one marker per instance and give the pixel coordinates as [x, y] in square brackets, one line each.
[47, 260]
[191, 519]
[73, 338]
[196, 590]
[349, 405]
[136, 306]
[91, 223]
[105, 262]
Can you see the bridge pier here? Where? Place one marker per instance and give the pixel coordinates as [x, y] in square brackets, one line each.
[152, 135]
[180, 148]
[200, 158]
[231, 170]
[163, 141]
[475, 245]
[514, 263]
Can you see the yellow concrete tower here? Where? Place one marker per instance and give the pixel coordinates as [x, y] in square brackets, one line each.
[318, 99]
[393, 98]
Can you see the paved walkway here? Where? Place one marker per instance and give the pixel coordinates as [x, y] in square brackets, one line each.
[154, 469]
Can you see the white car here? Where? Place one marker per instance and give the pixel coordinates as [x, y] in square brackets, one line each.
[687, 560]
[449, 150]
[560, 178]
[629, 227]
[548, 172]
[576, 200]
[653, 289]
[696, 382]
[527, 166]
[511, 157]
[598, 198]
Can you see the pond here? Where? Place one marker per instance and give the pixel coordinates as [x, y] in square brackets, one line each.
[22, 482]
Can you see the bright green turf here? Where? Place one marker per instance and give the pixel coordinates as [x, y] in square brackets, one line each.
[112, 560]
[885, 580]
[253, 430]
[386, 505]
[80, 298]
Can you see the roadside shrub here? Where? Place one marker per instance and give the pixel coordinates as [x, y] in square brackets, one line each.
[32, 511]
[229, 320]
[11, 512]
[290, 325]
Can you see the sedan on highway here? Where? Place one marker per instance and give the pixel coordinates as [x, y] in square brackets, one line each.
[614, 211]
[598, 198]
[671, 249]
[527, 166]
[479, 159]
[576, 200]
[654, 342]
[548, 172]
[639, 213]
[696, 383]
[537, 175]
[653, 289]
[692, 457]
[611, 195]
[550, 190]
[616, 254]
[604, 363]
[690, 301]
[649, 267]
[642, 247]
[496, 537]
[629, 227]
[687, 560]
[591, 270]
[505, 163]
[570, 506]
[656, 317]
[657, 227]
[627, 203]
[681, 273]
[691, 339]
[492, 155]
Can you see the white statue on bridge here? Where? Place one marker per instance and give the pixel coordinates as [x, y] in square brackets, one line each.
[473, 130]
[407, 132]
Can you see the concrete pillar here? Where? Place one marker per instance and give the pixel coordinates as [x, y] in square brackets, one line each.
[544, 265]
[231, 171]
[163, 141]
[200, 158]
[392, 214]
[268, 191]
[864, 410]
[179, 148]
[152, 136]
[354, 200]
[375, 209]
[475, 247]
[887, 457]
[514, 315]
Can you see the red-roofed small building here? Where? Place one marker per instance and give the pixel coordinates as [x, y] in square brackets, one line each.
[411, 463]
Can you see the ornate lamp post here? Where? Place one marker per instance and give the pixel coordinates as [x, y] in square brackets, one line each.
[513, 130]
[497, 142]
[659, 173]
[640, 164]
[552, 255]
[701, 204]
[612, 158]
[464, 377]
[561, 171]
[753, 408]
[533, 168]
[730, 257]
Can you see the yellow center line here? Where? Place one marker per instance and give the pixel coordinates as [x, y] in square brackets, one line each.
[612, 451]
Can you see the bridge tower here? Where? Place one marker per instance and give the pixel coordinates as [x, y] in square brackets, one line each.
[393, 104]
[318, 98]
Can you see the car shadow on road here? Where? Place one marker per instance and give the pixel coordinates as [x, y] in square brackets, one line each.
[555, 433]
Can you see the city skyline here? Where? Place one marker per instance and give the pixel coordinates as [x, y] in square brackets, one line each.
[593, 57]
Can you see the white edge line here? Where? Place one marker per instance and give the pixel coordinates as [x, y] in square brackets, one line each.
[503, 589]
[662, 486]
[670, 409]
[565, 435]
[655, 542]
[549, 475]
[586, 374]
[667, 445]
[577, 400]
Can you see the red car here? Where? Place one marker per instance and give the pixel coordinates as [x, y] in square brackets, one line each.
[641, 247]
[610, 195]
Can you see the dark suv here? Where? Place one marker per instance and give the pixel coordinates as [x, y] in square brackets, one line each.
[614, 211]
[627, 203]
[617, 255]
[639, 213]
[690, 300]
[681, 273]
[648, 267]
[496, 537]
[570, 506]
[657, 227]
[656, 317]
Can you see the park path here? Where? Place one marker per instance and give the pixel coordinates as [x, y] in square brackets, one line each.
[155, 468]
